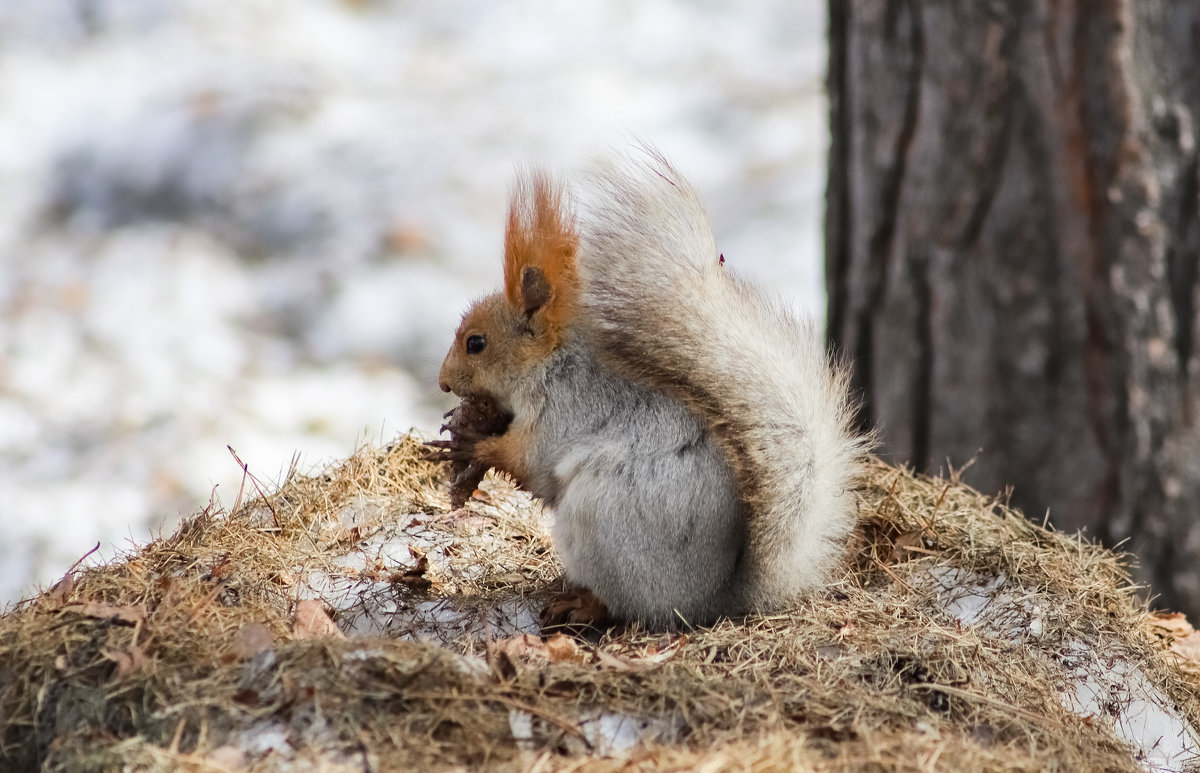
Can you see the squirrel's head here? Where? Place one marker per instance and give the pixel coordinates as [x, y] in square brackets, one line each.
[505, 336]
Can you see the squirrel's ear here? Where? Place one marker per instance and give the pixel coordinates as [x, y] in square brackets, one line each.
[540, 242]
[535, 290]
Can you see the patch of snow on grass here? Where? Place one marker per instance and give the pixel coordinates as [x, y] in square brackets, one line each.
[1100, 681]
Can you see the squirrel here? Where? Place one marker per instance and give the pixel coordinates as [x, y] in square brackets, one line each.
[692, 438]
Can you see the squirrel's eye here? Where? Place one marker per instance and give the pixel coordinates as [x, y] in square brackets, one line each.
[475, 344]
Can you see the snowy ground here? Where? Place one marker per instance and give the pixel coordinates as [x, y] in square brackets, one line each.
[254, 224]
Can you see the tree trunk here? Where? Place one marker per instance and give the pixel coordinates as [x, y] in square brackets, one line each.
[1012, 244]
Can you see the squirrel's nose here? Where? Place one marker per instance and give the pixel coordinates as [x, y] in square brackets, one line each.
[445, 387]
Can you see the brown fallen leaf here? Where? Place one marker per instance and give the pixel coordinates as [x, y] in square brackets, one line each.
[561, 648]
[311, 621]
[347, 536]
[906, 544]
[251, 639]
[615, 662]
[1173, 624]
[127, 661]
[1183, 639]
[131, 614]
[524, 646]
[503, 655]
[415, 576]
[227, 758]
[664, 650]
[61, 590]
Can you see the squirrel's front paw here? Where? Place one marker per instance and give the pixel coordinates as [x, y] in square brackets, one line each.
[474, 419]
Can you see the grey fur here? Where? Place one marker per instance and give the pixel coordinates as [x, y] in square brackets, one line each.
[646, 511]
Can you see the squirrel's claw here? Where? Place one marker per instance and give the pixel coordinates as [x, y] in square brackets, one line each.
[450, 455]
[466, 434]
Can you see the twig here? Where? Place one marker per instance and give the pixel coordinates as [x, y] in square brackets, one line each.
[83, 557]
[258, 488]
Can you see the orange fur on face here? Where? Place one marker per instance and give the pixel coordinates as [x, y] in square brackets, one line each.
[526, 323]
[541, 234]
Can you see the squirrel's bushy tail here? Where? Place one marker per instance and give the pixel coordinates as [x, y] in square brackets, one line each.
[662, 309]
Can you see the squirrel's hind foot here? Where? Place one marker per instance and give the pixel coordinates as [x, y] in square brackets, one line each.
[576, 611]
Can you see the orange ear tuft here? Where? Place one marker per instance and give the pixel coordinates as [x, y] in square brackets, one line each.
[541, 235]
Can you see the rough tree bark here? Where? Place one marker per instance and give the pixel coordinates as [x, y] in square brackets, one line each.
[1012, 244]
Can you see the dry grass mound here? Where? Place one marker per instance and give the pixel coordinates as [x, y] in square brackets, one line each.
[350, 620]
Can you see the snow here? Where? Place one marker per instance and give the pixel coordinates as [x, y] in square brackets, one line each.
[607, 734]
[1100, 678]
[254, 224]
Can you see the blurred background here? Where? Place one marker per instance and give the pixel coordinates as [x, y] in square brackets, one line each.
[255, 224]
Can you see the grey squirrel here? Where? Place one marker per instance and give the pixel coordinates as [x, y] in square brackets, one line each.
[691, 437]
